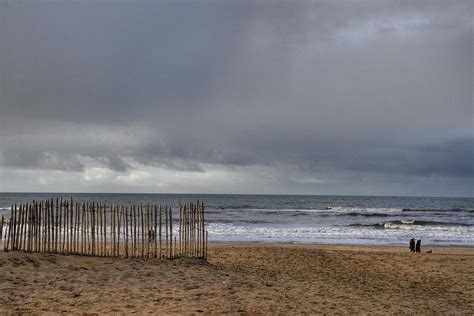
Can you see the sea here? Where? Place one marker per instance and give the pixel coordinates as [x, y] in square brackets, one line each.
[331, 219]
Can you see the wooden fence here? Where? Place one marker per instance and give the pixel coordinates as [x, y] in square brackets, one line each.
[94, 229]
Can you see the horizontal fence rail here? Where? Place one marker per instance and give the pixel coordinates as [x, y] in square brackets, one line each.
[94, 229]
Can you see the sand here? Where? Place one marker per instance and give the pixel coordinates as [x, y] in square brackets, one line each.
[245, 279]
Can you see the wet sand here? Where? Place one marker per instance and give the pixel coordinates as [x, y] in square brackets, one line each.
[245, 279]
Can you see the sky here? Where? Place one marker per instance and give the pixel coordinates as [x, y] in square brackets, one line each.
[272, 97]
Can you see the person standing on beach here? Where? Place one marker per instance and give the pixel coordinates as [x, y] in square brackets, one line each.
[412, 245]
[418, 246]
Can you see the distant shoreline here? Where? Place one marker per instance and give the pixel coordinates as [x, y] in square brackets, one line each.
[316, 244]
[437, 249]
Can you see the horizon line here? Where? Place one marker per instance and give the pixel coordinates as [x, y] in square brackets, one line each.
[255, 194]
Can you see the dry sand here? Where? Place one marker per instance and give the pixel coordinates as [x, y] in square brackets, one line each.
[245, 279]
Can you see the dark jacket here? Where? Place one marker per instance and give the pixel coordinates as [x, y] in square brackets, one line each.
[418, 246]
[412, 245]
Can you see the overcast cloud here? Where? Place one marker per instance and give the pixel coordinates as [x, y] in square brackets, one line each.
[310, 97]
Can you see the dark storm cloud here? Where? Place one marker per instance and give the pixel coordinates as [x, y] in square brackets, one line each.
[453, 158]
[43, 160]
[365, 88]
[78, 61]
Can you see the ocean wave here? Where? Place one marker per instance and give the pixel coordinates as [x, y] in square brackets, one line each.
[367, 214]
[382, 210]
[5, 211]
[436, 210]
[338, 209]
[398, 224]
[240, 221]
[342, 211]
[273, 212]
[290, 212]
[227, 207]
[299, 213]
[328, 210]
[363, 212]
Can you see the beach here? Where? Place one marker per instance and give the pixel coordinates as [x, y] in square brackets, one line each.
[245, 279]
